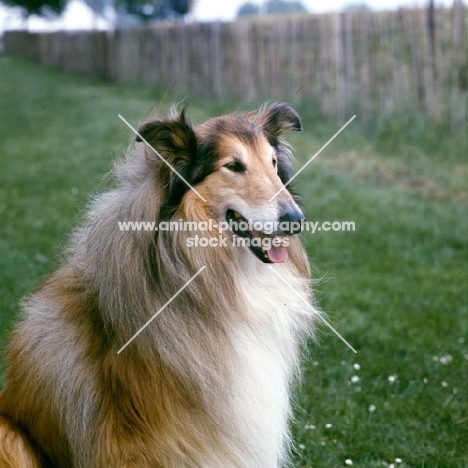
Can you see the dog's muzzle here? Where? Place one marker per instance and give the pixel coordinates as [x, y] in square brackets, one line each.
[269, 247]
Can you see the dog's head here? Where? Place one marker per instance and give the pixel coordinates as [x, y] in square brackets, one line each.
[238, 163]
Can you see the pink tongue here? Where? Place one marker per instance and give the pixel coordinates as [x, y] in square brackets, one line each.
[277, 254]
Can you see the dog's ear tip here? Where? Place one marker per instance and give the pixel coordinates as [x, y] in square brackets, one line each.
[144, 129]
[280, 117]
[170, 134]
[178, 113]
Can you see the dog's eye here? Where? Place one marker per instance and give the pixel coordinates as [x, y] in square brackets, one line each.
[235, 166]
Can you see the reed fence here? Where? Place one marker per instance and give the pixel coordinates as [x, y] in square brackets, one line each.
[366, 63]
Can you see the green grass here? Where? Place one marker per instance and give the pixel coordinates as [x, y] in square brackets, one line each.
[395, 288]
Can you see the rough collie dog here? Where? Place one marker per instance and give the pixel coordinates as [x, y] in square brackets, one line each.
[208, 382]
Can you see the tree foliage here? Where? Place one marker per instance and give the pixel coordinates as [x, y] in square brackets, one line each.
[155, 9]
[38, 7]
[283, 7]
[358, 7]
[247, 9]
[272, 7]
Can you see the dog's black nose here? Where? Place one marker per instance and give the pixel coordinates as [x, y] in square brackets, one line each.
[291, 221]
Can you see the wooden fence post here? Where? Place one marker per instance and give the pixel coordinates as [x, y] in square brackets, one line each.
[367, 63]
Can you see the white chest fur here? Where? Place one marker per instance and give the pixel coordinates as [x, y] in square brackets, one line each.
[267, 348]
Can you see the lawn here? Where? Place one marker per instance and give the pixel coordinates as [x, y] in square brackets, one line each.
[395, 288]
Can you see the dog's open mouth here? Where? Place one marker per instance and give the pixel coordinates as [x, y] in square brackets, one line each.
[269, 248]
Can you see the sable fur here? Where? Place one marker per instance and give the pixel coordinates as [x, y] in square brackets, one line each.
[208, 382]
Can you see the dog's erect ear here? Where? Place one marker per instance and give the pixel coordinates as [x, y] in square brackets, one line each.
[277, 119]
[175, 140]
